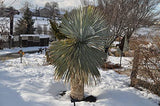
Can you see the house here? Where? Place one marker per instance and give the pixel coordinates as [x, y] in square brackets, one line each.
[29, 40]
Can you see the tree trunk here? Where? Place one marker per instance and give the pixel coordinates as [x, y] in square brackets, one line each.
[77, 89]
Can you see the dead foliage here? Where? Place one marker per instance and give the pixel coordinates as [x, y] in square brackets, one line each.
[109, 65]
[136, 41]
[124, 72]
[146, 68]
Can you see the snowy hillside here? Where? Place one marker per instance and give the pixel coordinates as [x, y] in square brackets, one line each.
[38, 21]
[145, 31]
[32, 84]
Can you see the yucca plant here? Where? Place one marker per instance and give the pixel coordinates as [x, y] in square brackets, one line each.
[55, 30]
[78, 57]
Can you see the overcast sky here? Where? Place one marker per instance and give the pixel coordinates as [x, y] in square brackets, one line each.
[40, 3]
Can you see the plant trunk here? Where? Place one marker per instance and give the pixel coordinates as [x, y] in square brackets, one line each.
[77, 89]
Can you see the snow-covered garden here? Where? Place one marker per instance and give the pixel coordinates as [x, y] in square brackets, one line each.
[80, 62]
[32, 83]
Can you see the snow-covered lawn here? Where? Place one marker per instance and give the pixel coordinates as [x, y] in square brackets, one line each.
[25, 49]
[32, 84]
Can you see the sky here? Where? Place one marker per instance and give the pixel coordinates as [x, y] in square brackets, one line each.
[40, 3]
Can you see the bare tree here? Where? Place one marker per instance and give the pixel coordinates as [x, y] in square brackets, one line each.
[4, 25]
[2, 6]
[1, 3]
[125, 16]
[85, 3]
[26, 5]
[51, 10]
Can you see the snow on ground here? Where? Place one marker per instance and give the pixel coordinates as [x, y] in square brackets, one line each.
[126, 61]
[32, 84]
[145, 31]
[25, 49]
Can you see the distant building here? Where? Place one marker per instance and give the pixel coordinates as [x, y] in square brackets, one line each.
[28, 40]
[44, 13]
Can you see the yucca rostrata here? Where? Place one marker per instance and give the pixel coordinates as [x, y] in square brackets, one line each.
[77, 57]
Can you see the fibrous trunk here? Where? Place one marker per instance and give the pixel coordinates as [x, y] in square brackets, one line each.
[77, 89]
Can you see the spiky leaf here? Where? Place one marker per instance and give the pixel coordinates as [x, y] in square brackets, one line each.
[55, 30]
[80, 54]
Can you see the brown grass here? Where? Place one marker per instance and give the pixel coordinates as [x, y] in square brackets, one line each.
[136, 41]
[109, 65]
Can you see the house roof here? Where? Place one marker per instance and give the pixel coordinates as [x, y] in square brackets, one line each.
[34, 35]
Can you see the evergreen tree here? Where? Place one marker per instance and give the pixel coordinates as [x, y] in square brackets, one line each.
[25, 24]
